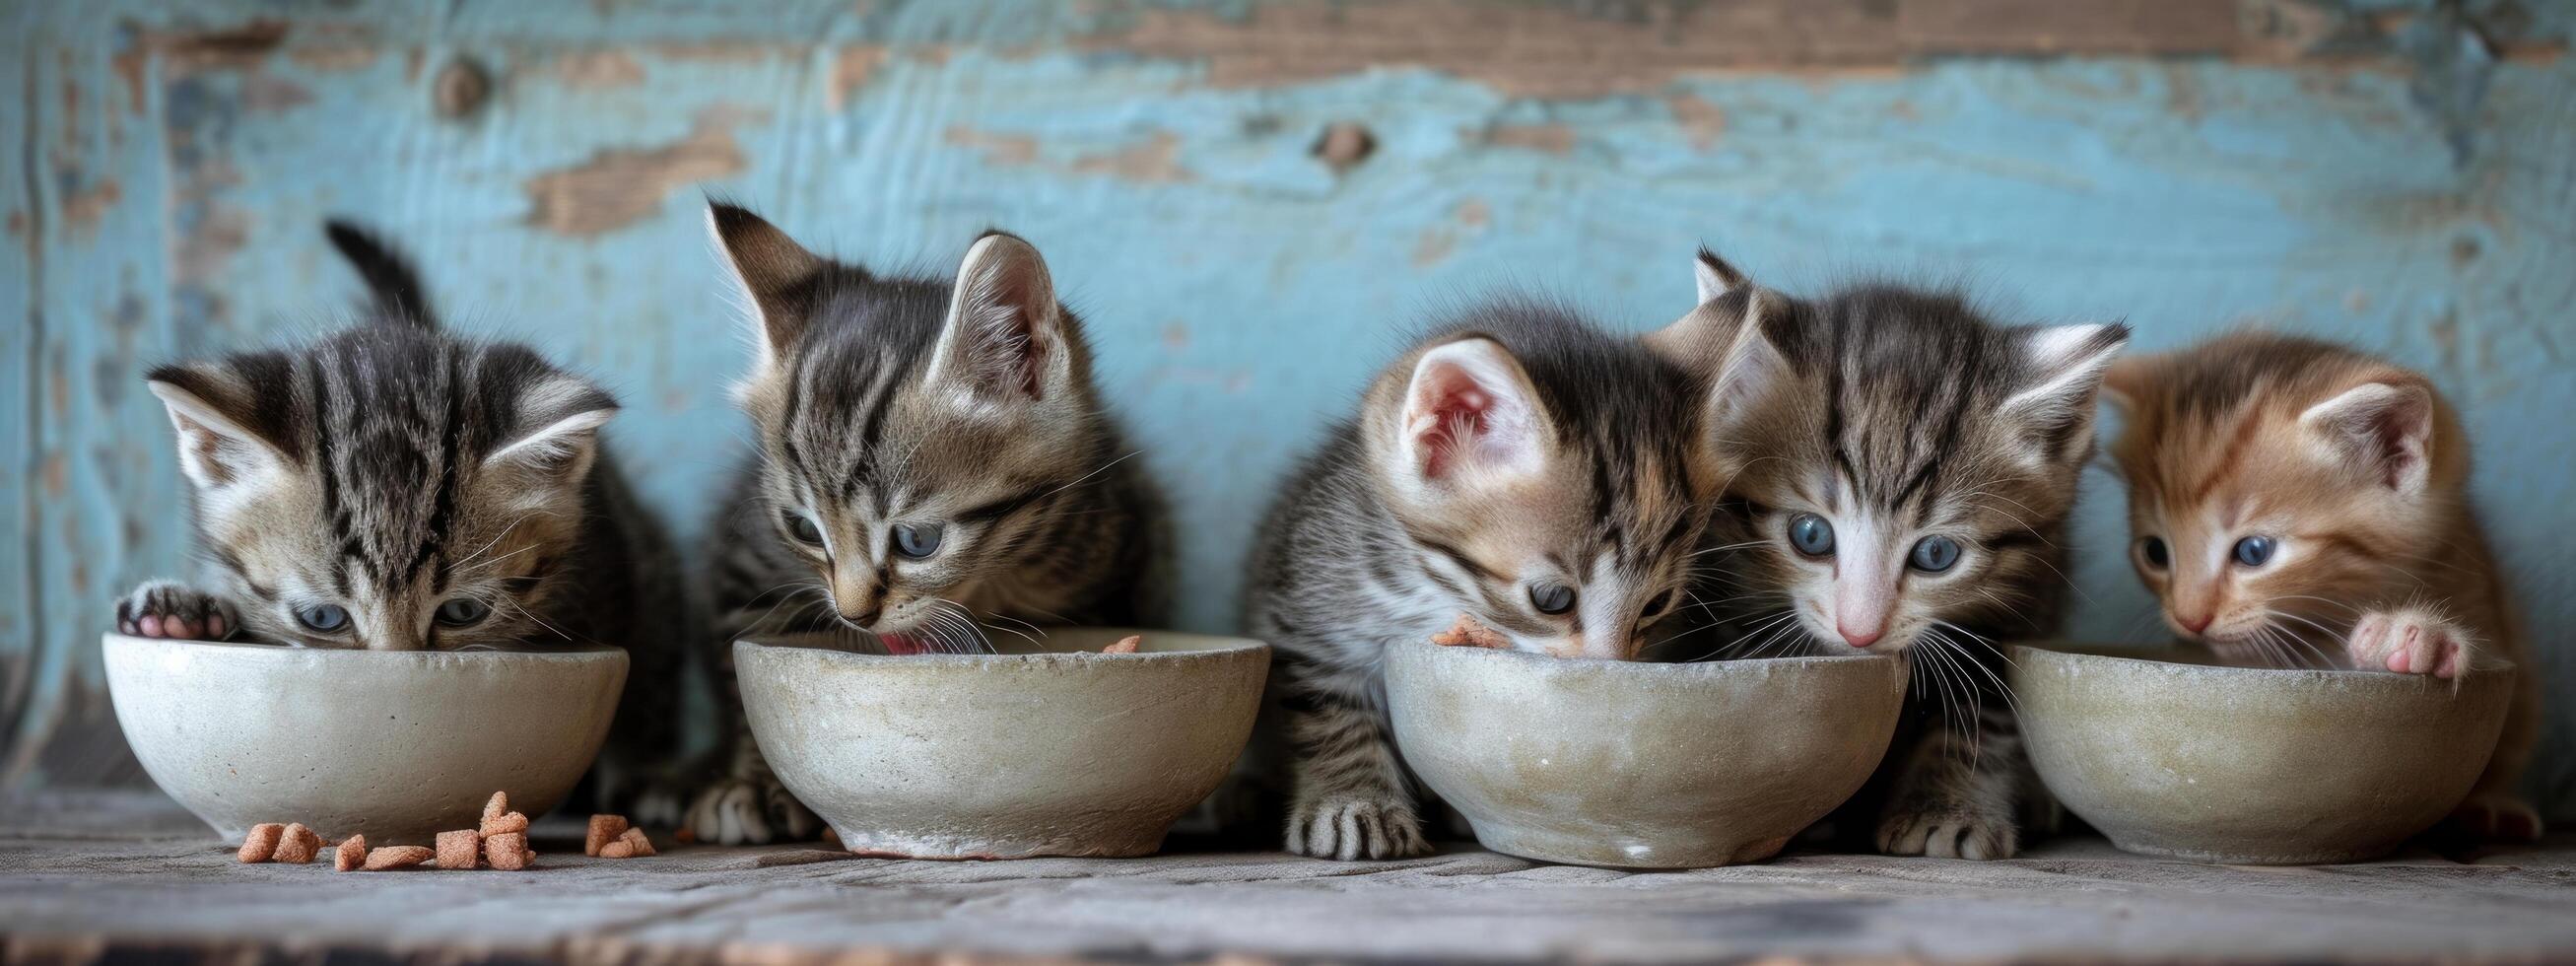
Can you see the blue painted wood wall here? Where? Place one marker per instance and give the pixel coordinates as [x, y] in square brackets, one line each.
[2400, 175]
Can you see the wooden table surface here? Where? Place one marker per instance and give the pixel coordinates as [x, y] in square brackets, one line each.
[121, 876]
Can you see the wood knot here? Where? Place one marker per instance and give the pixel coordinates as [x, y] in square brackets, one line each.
[1344, 144]
[460, 89]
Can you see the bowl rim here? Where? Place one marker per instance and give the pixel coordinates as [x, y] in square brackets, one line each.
[1549, 664]
[1217, 646]
[261, 650]
[2147, 658]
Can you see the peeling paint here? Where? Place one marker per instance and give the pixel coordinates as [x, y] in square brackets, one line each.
[1556, 139]
[1156, 158]
[999, 150]
[598, 70]
[851, 69]
[618, 187]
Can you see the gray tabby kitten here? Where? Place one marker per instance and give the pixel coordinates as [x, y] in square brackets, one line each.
[395, 488]
[1519, 466]
[1901, 473]
[932, 457]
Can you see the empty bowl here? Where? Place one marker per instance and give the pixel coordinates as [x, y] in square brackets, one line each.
[1046, 748]
[2175, 758]
[395, 745]
[1640, 765]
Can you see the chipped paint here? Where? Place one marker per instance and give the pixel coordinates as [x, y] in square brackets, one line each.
[620, 186]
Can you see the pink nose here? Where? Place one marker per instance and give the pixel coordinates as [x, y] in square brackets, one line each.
[1859, 638]
[2197, 624]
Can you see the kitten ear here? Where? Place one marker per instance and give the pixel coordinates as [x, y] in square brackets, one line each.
[2384, 427]
[1750, 369]
[1005, 338]
[1471, 417]
[769, 270]
[1714, 275]
[212, 409]
[2124, 382]
[558, 430]
[2064, 366]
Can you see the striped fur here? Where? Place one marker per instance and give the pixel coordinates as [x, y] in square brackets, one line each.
[1895, 416]
[880, 402]
[2357, 471]
[389, 471]
[1517, 447]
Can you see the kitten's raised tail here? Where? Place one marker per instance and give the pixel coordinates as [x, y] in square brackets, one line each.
[395, 288]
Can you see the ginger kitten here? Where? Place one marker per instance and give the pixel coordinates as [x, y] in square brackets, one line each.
[2297, 503]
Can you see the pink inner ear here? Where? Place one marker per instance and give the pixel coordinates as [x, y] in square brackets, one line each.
[1455, 414]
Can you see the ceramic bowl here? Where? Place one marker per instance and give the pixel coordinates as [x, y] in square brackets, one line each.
[1042, 749]
[2246, 765]
[395, 745]
[1640, 765]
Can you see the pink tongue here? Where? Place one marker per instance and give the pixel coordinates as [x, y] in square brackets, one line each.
[899, 644]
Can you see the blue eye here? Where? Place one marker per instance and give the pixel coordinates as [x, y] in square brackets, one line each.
[2153, 548]
[2254, 551]
[1811, 535]
[1933, 555]
[918, 541]
[801, 527]
[463, 612]
[1551, 597]
[325, 619]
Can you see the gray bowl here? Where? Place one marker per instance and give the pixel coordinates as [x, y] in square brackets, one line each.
[395, 745]
[2254, 766]
[1640, 765]
[1039, 750]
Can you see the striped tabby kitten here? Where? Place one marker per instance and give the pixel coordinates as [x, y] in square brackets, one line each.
[395, 488]
[1519, 466]
[2296, 502]
[933, 456]
[1902, 470]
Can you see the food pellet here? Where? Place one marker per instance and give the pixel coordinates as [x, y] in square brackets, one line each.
[1468, 633]
[297, 845]
[1125, 645]
[508, 851]
[459, 849]
[687, 835]
[497, 806]
[619, 849]
[260, 843]
[397, 857]
[603, 830]
[503, 824]
[352, 851]
[636, 842]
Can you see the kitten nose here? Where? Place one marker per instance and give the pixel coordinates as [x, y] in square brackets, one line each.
[2196, 624]
[863, 618]
[1859, 638]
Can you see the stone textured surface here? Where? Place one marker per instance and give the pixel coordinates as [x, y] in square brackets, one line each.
[82, 876]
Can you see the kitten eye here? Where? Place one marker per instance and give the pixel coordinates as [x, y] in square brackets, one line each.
[1661, 605]
[2153, 548]
[325, 619]
[1551, 597]
[801, 527]
[462, 612]
[1811, 535]
[918, 541]
[1933, 555]
[2254, 551]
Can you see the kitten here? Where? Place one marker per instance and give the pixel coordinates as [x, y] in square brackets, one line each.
[933, 459]
[392, 487]
[2296, 503]
[1901, 470]
[1519, 466]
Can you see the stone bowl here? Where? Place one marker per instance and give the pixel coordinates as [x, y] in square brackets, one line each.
[1040, 749]
[2170, 756]
[1640, 765]
[395, 745]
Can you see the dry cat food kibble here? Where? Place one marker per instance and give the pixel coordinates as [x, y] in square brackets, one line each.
[296, 845]
[261, 842]
[1468, 633]
[397, 857]
[1125, 645]
[630, 844]
[459, 849]
[351, 853]
[603, 830]
[508, 851]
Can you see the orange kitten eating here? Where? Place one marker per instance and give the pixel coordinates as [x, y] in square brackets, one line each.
[2296, 503]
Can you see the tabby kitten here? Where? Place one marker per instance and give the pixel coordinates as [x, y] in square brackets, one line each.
[1901, 470]
[933, 461]
[395, 488]
[2300, 503]
[1519, 466]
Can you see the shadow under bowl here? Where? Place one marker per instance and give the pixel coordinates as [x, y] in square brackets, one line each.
[395, 745]
[2171, 756]
[1641, 765]
[1042, 749]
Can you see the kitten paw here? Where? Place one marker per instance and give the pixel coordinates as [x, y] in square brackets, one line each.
[750, 811]
[1948, 834]
[1353, 827]
[168, 608]
[2496, 817]
[2411, 642]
